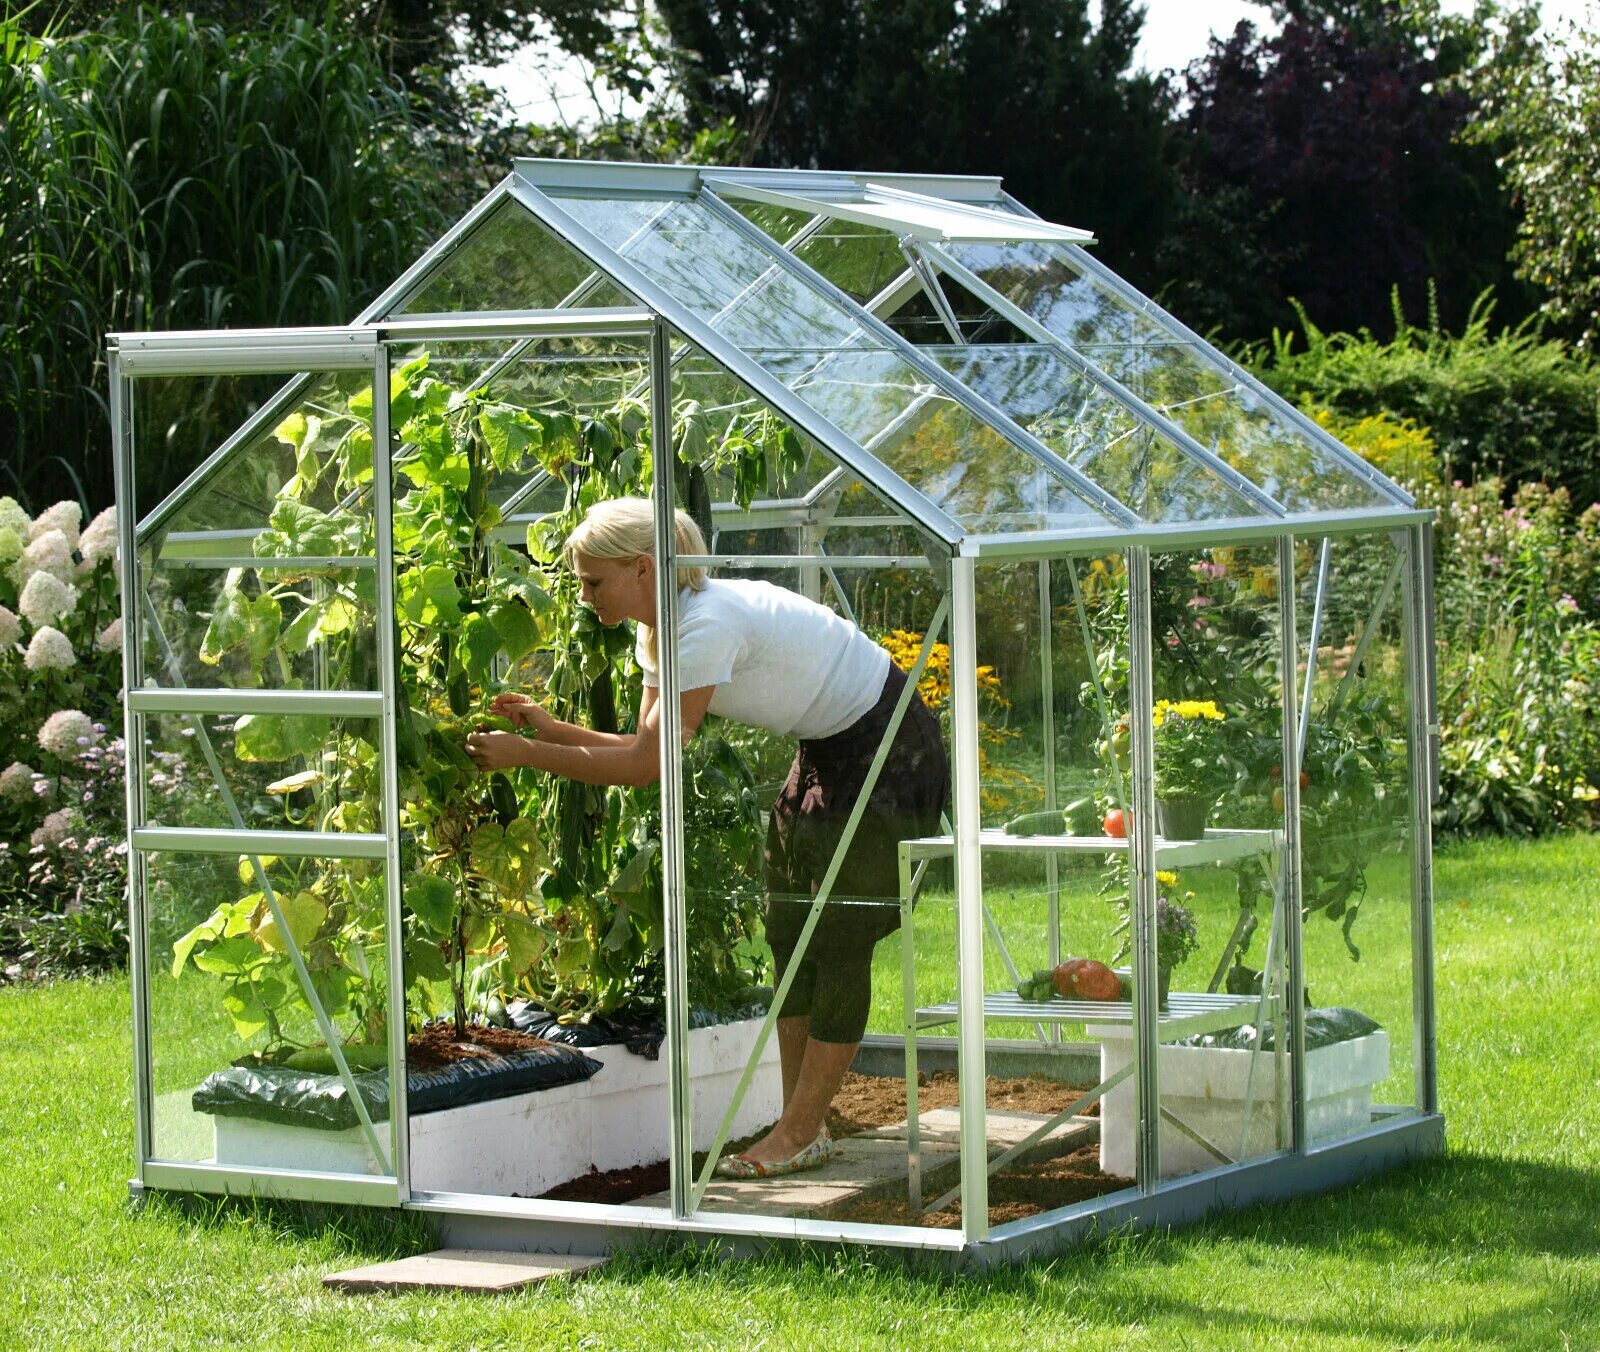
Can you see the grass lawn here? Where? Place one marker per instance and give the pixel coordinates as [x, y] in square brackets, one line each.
[1495, 1246]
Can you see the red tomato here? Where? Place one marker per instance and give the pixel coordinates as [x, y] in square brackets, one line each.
[1305, 780]
[1116, 824]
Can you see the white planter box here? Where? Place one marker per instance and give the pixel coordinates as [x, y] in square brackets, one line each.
[528, 1143]
[1205, 1088]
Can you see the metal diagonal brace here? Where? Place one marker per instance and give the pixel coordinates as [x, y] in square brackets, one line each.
[302, 973]
[823, 892]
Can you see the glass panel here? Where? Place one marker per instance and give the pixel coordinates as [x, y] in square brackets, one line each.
[510, 262]
[1092, 431]
[318, 451]
[179, 420]
[1133, 344]
[840, 367]
[1239, 426]
[232, 1028]
[857, 259]
[779, 222]
[1055, 892]
[258, 627]
[1357, 841]
[1219, 917]
[281, 772]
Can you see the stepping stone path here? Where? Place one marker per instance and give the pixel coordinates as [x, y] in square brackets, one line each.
[486, 1270]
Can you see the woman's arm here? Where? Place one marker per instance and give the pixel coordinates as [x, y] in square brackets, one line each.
[619, 759]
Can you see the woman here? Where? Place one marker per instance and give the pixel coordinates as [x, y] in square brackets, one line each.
[763, 655]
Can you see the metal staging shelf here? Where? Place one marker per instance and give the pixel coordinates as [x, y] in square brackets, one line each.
[1215, 847]
[1186, 1012]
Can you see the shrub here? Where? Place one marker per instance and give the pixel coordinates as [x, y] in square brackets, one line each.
[1518, 659]
[1512, 404]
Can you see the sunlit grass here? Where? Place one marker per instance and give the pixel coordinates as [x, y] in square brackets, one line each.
[1490, 1247]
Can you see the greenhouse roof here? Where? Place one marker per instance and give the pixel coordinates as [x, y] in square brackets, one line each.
[1042, 399]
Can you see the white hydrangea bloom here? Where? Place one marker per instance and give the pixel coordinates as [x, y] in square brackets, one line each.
[46, 597]
[54, 829]
[50, 650]
[99, 540]
[10, 628]
[16, 781]
[12, 543]
[12, 517]
[64, 730]
[65, 517]
[48, 553]
[109, 639]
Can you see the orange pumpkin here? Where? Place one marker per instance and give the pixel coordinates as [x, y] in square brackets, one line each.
[1085, 979]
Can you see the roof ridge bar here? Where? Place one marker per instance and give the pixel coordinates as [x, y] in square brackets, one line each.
[962, 394]
[1110, 384]
[773, 391]
[1232, 368]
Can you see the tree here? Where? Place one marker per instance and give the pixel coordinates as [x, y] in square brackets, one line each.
[1542, 105]
[1033, 90]
[1323, 164]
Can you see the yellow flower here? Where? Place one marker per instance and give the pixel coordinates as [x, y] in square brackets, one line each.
[1166, 877]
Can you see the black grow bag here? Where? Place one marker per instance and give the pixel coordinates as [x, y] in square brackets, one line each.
[1324, 1027]
[299, 1098]
[641, 1035]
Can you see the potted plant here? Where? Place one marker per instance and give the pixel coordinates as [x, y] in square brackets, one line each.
[1176, 940]
[1190, 771]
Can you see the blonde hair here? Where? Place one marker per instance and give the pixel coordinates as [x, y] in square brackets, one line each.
[625, 528]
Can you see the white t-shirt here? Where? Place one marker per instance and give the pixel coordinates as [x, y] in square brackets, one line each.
[778, 660]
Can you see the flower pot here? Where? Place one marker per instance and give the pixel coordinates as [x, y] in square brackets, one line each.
[1164, 985]
[1182, 818]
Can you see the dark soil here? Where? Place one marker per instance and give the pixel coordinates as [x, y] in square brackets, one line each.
[1015, 1192]
[435, 1045]
[867, 1101]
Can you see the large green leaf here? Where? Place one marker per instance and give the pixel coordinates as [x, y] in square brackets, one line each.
[304, 913]
[231, 957]
[511, 433]
[229, 919]
[432, 900]
[525, 942]
[480, 642]
[517, 629]
[429, 595]
[510, 859]
[279, 737]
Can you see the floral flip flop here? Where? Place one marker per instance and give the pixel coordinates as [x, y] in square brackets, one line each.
[813, 1156]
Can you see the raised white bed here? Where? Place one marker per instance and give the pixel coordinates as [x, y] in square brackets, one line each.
[1205, 1087]
[528, 1143]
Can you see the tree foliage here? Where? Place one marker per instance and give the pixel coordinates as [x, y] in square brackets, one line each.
[1542, 105]
[1323, 164]
[934, 86]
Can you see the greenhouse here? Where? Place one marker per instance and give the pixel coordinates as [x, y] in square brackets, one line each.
[1169, 945]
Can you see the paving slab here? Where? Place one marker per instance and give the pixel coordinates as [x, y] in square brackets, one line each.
[941, 1127]
[486, 1270]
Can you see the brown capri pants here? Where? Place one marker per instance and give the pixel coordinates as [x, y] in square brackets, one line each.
[834, 981]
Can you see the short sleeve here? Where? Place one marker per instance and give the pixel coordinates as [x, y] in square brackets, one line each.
[708, 649]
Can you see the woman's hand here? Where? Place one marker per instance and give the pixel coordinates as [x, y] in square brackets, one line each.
[523, 711]
[497, 750]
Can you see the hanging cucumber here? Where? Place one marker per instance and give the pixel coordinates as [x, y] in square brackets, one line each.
[602, 703]
[699, 501]
[459, 692]
[504, 799]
